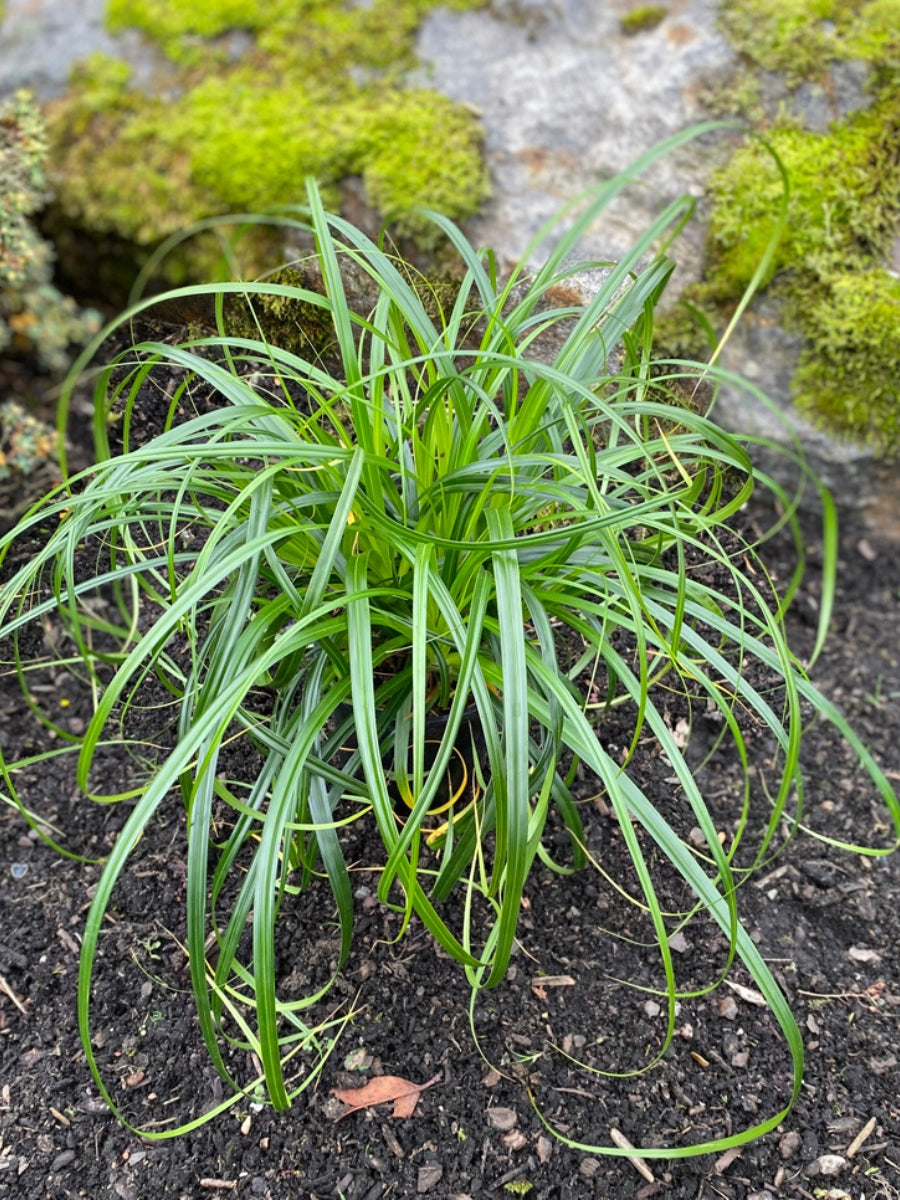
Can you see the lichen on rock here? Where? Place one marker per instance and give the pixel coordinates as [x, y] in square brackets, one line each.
[36, 320]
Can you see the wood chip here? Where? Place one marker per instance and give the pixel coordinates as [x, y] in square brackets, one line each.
[68, 941]
[228, 1184]
[748, 994]
[63, 1120]
[725, 1160]
[393, 1145]
[4, 987]
[544, 981]
[619, 1139]
[864, 1133]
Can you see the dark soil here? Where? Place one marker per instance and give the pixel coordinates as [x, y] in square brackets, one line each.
[828, 923]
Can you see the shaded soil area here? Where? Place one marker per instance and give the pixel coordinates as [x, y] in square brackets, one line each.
[827, 921]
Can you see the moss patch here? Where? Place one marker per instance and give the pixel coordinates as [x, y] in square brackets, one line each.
[319, 92]
[843, 208]
[641, 20]
[843, 215]
[849, 370]
[803, 38]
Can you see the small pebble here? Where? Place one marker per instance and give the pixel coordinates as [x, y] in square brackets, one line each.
[502, 1118]
[652, 1009]
[789, 1144]
[430, 1175]
[827, 1164]
[727, 1008]
[62, 1160]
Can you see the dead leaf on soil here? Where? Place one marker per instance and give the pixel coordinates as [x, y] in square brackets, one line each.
[383, 1089]
[541, 982]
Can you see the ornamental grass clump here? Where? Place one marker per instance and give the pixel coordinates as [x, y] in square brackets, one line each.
[360, 562]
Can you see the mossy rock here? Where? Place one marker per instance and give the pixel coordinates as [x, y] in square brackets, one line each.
[849, 373]
[843, 206]
[643, 19]
[802, 38]
[319, 92]
[842, 217]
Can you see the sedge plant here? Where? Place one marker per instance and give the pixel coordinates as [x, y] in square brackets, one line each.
[435, 516]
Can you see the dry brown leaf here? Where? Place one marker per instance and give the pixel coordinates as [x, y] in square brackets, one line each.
[383, 1089]
[541, 982]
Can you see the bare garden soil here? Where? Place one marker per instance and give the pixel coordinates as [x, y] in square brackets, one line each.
[827, 921]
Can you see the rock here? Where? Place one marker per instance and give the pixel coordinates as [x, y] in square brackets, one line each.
[679, 943]
[789, 1145]
[430, 1175]
[828, 1165]
[503, 1119]
[550, 137]
[42, 40]
[567, 100]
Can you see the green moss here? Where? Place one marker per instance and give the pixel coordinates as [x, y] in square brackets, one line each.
[171, 22]
[641, 20]
[318, 36]
[849, 373]
[844, 202]
[319, 92]
[802, 38]
[301, 327]
[843, 214]
[874, 35]
[797, 37]
[143, 168]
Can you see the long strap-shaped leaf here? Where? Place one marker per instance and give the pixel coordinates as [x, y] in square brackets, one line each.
[512, 792]
[366, 727]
